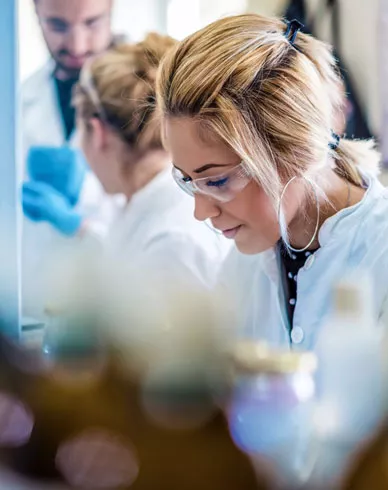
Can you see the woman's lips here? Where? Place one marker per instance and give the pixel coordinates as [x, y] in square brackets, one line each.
[232, 232]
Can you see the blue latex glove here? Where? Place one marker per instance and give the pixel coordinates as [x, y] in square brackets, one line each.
[64, 168]
[44, 203]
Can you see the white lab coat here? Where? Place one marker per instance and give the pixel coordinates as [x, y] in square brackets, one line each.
[162, 268]
[157, 232]
[354, 237]
[42, 125]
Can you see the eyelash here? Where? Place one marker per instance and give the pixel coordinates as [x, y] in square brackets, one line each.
[217, 183]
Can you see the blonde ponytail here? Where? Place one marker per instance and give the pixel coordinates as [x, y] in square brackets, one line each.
[353, 158]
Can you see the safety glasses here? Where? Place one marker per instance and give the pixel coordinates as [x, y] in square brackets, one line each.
[223, 187]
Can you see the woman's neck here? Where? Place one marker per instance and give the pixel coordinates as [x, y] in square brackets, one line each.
[338, 194]
[138, 174]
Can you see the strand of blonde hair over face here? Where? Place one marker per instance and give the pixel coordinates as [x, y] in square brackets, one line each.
[273, 102]
[124, 80]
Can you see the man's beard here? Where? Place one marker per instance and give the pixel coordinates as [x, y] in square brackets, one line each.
[65, 72]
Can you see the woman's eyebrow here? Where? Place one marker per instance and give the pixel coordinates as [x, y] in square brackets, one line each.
[208, 166]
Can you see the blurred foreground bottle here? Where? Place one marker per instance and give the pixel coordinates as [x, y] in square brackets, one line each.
[349, 381]
[270, 417]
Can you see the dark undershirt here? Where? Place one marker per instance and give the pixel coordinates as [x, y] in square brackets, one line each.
[290, 264]
[64, 90]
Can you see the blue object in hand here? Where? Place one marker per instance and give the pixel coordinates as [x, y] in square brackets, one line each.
[63, 168]
[42, 202]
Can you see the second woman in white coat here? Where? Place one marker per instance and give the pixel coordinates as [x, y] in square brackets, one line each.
[121, 138]
[154, 229]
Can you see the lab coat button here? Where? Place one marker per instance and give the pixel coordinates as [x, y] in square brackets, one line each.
[297, 335]
[309, 262]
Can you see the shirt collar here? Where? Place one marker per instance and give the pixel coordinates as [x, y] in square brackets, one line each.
[351, 216]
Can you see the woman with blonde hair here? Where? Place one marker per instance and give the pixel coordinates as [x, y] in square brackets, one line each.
[248, 107]
[121, 139]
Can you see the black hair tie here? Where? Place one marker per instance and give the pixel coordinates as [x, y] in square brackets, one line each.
[293, 27]
[334, 144]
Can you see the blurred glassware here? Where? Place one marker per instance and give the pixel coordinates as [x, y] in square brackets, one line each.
[271, 413]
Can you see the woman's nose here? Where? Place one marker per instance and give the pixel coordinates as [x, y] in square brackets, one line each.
[205, 208]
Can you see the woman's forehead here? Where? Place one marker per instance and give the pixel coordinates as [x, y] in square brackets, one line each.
[189, 149]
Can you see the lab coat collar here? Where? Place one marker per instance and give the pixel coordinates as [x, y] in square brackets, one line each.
[41, 105]
[32, 89]
[350, 217]
[270, 265]
[333, 226]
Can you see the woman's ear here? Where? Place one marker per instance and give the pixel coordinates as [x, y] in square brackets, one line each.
[98, 133]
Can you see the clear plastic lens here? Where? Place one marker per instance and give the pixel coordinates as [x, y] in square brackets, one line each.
[223, 187]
